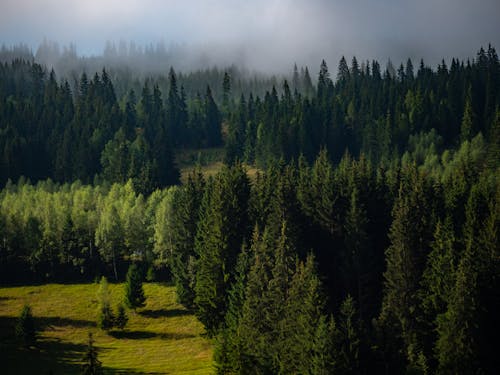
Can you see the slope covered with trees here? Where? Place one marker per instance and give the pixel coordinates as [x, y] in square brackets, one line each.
[366, 243]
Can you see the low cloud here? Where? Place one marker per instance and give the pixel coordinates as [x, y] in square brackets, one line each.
[265, 35]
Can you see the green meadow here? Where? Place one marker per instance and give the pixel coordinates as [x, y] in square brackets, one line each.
[160, 338]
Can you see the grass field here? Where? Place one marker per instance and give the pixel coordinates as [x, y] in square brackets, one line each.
[209, 160]
[161, 338]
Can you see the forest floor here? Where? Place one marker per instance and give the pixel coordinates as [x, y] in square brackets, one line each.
[160, 338]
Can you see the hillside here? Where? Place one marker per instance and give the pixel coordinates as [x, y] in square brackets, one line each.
[160, 338]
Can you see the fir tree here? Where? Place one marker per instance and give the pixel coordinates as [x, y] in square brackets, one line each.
[25, 327]
[221, 232]
[134, 293]
[121, 319]
[91, 365]
[348, 339]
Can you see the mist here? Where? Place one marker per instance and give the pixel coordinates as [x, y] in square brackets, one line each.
[261, 35]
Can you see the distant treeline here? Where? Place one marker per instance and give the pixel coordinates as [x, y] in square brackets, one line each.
[49, 130]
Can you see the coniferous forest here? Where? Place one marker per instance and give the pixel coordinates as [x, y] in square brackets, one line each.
[366, 242]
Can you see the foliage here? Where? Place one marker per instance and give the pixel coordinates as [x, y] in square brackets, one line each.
[106, 319]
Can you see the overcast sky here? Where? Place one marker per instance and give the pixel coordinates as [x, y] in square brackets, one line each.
[266, 34]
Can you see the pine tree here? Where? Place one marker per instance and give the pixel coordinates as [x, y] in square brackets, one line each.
[121, 319]
[134, 293]
[410, 237]
[254, 329]
[91, 365]
[25, 327]
[228, 350]
[323, 359]
[455, 346]
[296, 348]
[356, 261]
[226, 91]
[222, 229]
[467, 130]
[184, 219]
[438, 279]
[212, 121]
[347, 337]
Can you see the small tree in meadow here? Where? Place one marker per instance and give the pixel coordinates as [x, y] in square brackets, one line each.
[105, 318]
[25, 327]
[121, 319]
[91, 365]
[134, 293]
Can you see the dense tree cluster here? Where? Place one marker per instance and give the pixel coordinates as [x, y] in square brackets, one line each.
[367, 242]
[367, 110]
[71, 232]
[50, 131]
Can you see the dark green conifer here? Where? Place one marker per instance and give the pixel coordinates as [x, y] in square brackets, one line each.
[134, 293]
[121, 319]
[91, 365]
[25, 327]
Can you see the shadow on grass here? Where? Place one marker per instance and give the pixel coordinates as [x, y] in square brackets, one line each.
[123, 371]
[164, 313]
[132, 335]
[140, 335]
[47, 356]
[45, 322]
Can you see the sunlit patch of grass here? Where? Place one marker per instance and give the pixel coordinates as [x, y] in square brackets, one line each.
[161, 338]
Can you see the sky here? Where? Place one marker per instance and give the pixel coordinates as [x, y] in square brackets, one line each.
[264, 34]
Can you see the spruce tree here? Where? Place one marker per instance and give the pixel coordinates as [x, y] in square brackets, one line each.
[467, 129]
[297, 348]
[91, 365]
[134, 292]
[184, 219]
[323, 359]
[25, 327]
[121, 319]
[222, 229]
[228, 350]
[348, 339]
[405, 257]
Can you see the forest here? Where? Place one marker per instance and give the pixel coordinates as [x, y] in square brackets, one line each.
[366, 243]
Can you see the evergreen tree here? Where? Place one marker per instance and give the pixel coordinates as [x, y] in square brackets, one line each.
[134, 293]
[25, 327]
[185, 216]
[91, 365]
[467, 130]
[348, 340]
[301, 346]
[323, 358]
[409, 235]
[221, 232]
[228, 353]
[121, 319]
[456, 328]
[212, 121]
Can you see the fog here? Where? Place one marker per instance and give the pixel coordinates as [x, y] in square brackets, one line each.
[261, 35]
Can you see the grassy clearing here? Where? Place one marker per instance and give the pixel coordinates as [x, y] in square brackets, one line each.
[161, 338]
[209, 160]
